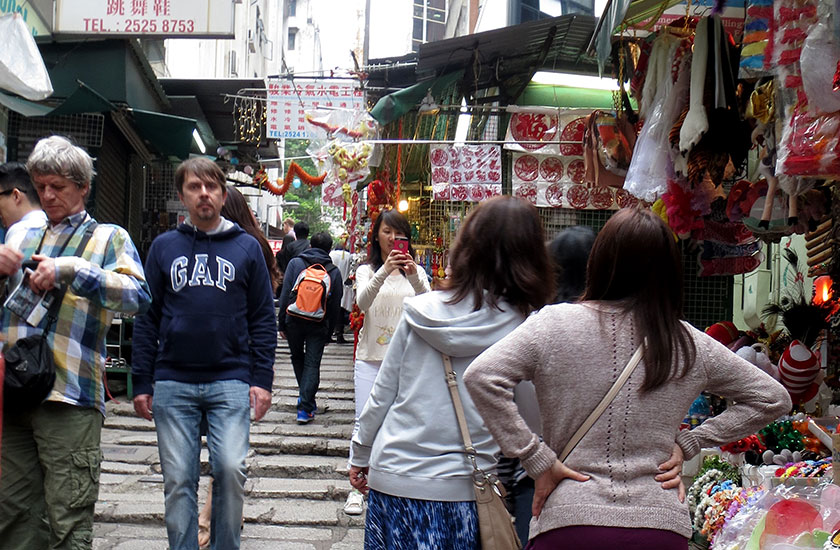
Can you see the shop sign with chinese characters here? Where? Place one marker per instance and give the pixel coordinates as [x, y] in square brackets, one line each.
[288, 102]
[466, 172]
[170, 18]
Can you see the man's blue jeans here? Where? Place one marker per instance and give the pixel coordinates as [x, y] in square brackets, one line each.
[306, 346]
[178, 408]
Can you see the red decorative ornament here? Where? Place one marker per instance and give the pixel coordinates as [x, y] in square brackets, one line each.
[280, 187]
[836, 82]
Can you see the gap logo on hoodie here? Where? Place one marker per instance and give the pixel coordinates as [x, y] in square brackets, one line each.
[202, 273]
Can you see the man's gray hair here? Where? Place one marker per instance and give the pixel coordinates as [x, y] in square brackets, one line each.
[56, 155]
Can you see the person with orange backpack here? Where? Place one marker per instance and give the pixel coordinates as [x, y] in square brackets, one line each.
[310, 303]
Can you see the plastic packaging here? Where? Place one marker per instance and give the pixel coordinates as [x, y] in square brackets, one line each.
[819, 52]
[800, 517]
[22, 69]
[651, 166]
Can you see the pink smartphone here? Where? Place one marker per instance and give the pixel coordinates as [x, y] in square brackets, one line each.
[401, 244]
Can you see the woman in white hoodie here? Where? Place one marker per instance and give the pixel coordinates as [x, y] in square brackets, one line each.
[408, 450]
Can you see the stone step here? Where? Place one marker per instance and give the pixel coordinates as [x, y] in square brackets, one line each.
[144, 460]
[148, 508]
[254, 537]
[120, 487]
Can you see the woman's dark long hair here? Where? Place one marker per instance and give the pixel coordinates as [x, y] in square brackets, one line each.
[636, 263]
[500, 250]
[236, 209]
[569, 252]
[395, 221]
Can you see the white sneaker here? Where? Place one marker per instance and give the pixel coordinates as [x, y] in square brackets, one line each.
[355, 504]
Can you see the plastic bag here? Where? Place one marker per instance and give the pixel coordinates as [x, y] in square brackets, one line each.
[820, 51]
[651, 166]
[22, 69]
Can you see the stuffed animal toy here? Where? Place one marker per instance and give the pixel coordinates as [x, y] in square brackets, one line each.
[798, 370]
[757, 355]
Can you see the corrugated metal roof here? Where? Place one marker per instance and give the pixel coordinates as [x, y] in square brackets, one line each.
[509, 56]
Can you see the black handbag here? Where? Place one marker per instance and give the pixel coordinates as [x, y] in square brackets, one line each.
[30, 365]
[30, 373]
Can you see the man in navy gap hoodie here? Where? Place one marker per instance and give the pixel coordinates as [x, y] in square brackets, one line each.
[307, 338]
[206, 350]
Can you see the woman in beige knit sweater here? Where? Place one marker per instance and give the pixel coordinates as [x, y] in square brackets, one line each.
[605, 494]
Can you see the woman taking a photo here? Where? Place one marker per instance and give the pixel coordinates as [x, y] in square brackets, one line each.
[604, 494]
[388, 278]
[408, 449]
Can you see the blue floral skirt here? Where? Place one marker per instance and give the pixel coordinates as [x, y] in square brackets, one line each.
[398, 523]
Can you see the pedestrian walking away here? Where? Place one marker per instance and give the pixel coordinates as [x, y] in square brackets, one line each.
[307, 335]
[204, 352]
[51, 451]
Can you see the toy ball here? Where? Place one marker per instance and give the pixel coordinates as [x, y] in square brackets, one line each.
[234, 161]
[798, 369]
[296, 183]
[248, 170]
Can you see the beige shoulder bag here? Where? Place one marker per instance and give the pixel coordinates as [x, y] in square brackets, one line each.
[494, 523]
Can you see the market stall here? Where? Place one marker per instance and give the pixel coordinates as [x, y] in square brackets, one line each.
[737, 148]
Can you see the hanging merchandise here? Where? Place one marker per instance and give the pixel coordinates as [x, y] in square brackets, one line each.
[553, 174]
[652, 162]
[538, 129]
[466, 172]
[281, 186]
[809, 146]
[608, 148]
[342, 152]
[820, 50]
[726, 248]
[756, 50]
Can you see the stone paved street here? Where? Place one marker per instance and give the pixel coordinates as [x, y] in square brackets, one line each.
[297, 475]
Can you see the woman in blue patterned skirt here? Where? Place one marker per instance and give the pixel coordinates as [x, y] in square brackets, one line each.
[408, 450]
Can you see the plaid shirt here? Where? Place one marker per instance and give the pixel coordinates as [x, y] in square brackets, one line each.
[106, 278]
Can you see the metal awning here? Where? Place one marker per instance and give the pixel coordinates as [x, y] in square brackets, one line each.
[171, 135]
[509, 57]
[23, 106]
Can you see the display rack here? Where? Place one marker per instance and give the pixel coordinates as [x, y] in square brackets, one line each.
[118, 349]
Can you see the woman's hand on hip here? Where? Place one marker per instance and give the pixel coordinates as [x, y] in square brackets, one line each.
[358, 479]
[671, 472]
[549, 480]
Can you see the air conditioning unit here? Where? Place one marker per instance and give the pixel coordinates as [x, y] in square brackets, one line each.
[232, 65]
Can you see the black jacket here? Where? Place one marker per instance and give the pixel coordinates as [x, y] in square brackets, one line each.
[292, 250]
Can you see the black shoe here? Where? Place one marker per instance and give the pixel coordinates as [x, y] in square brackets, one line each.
[341, 340]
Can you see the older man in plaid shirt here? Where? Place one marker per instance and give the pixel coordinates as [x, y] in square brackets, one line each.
[51, 453]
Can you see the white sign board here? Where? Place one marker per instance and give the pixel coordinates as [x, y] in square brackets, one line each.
[169, 18]
[287, 106]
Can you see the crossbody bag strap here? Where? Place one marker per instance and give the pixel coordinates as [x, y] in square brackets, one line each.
[452, 384]
[52, 315]
[605, 402]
